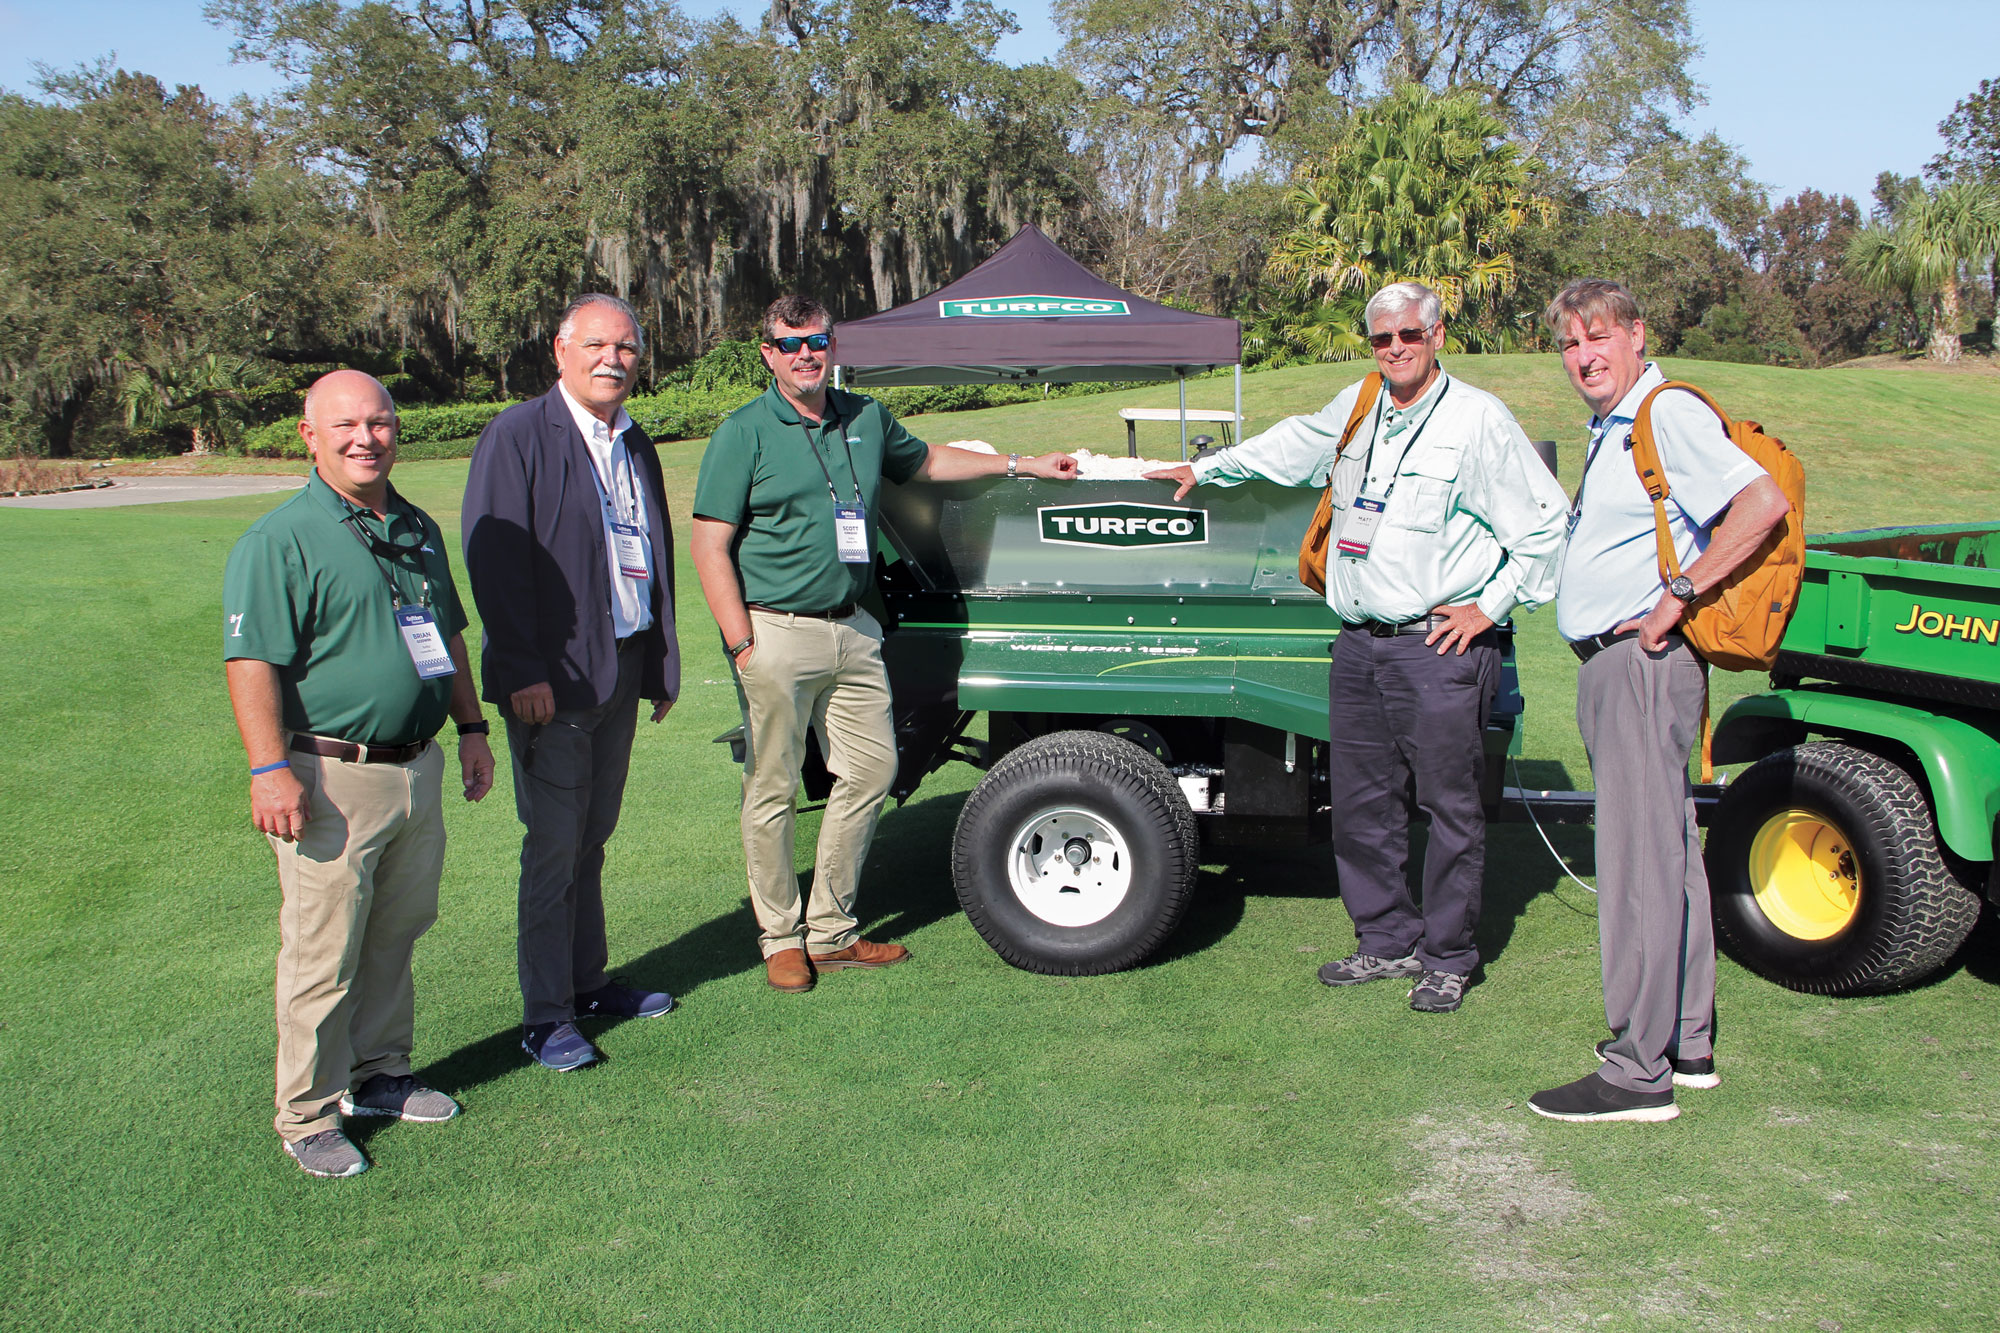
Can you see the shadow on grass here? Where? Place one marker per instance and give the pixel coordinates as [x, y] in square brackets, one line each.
[905, 887]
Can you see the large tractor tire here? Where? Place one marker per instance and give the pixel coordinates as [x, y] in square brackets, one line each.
[1075, 855]
[1826, 877]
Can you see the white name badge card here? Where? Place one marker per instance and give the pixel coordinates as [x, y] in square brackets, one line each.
[426, 646]
[850, 534]
[1357, 530]
[629, 545]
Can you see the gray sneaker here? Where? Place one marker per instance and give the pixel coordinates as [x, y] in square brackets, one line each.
[1359, 967]
[401, 1096]
[1437, 992]
[328, 1153]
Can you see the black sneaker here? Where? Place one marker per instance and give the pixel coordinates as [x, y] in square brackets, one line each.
[1687, 1073]
[1591, 1098]
[612, 1000]
[400, 1096]
[558, 1046]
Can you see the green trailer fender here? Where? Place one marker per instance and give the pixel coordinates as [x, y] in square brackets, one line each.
[1961, 761]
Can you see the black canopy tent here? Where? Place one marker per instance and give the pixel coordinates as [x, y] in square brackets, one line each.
[1031, 314]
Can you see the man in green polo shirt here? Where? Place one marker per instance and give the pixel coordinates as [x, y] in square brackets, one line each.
[784, 542]
[342, 634]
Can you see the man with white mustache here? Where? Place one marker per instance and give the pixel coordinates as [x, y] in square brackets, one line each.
[570, 555]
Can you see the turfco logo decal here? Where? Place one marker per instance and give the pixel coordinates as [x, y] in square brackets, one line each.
[1124, 525]
[1029, 307]
[1938, 625]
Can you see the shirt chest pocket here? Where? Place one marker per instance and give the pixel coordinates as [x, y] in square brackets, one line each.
[1425, 484]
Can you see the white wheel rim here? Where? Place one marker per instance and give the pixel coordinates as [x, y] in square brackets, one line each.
[1068, 866]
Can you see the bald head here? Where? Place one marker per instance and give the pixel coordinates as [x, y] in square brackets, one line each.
[349, 427]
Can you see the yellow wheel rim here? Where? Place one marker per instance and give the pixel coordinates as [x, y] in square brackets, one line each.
[1803, 872]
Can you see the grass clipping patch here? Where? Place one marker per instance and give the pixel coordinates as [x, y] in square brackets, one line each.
[37, 476]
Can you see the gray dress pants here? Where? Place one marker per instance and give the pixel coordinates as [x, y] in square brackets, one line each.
[569, 782]
[1409, 730]
[1640, 715]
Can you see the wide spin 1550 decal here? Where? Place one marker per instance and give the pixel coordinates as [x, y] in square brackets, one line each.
[1123, 526]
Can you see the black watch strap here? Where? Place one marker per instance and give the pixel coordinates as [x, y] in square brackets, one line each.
[479, 728]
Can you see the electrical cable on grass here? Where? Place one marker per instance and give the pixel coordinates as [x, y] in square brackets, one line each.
[1514, 767]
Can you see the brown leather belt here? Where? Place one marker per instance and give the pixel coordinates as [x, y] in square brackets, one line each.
[352, 752]
[841, 612]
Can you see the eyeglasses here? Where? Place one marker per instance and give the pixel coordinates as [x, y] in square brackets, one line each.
[1410, 337]
[819, 342]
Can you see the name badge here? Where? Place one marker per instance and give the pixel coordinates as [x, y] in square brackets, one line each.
[426, 646]
[629, 545]
[1357, 530]
[850, 534]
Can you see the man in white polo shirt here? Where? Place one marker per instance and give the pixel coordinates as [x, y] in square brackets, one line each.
[1639, 696]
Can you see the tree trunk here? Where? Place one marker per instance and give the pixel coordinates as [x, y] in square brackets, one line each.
[1944, 328]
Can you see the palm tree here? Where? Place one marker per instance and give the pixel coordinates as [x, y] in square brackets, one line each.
[1421, 188]
[1922, 251]
[209, 387]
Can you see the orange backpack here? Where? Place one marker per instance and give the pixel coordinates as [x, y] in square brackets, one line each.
[1738, 624]
[1319, 532]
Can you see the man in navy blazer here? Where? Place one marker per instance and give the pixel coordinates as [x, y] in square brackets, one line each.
[570, 555]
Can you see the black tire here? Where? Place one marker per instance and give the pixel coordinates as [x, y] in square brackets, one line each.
[1140, 848]
[1846, 893]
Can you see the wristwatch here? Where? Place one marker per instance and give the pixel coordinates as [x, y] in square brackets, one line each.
[1682, 587]
[1013, 465]
[736, 648]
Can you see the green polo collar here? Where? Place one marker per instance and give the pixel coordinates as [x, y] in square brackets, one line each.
[336, 504]
[838, 400]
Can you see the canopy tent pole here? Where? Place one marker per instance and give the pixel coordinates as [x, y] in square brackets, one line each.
[1181, 378]
[1239, 402]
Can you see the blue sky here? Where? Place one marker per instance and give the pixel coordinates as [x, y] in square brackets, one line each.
[1816, 93]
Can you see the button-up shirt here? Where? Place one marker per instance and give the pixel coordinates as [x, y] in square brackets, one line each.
[1472, 514]
[621, 492]
[1609, 572]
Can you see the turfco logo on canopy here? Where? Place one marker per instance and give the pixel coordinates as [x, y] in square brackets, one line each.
[1029, 307]
[1124, 525]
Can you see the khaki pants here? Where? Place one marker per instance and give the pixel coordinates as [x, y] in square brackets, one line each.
[360, 885]
[826, 675]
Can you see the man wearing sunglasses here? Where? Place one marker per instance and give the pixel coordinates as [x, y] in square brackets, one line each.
[342, 635]
[784, 542]
[1445, 524]
[570, 554]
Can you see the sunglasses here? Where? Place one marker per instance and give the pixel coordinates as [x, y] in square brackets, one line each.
[819, 342]
[1410, 337]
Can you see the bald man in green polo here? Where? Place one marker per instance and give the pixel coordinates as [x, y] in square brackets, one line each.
[342, 634]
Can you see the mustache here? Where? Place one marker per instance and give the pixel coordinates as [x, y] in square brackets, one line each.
[608, 373]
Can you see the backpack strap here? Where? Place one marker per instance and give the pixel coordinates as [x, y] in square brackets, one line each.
[1646, 459]
[1371, 389]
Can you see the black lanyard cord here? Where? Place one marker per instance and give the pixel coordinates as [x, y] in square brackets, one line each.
[370, 543]
[812, 447]
[1368, 459]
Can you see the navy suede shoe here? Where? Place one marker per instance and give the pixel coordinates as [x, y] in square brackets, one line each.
[557, 1046]
[612, 1000]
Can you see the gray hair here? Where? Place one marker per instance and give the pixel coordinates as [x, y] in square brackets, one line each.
[566, 326]
[1399, 296]
[1590, 302]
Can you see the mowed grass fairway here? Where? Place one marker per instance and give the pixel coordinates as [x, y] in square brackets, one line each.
[1211, 1141]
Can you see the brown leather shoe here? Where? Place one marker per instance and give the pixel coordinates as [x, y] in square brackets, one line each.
[860, 954]
[786, 970]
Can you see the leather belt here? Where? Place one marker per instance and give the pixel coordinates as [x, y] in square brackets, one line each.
[1585, 649]
[841, 612]
[353, 752]
[1388, 629]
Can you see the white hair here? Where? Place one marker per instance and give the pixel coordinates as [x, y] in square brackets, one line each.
[566, 328]
[1400, 296]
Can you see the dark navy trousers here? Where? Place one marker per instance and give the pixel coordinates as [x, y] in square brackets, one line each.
[1409, 736]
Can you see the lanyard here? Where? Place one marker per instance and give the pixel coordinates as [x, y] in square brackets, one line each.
[812, 447]
[1368, 459]
[1604, 429]
[608, 493]
[356, 525]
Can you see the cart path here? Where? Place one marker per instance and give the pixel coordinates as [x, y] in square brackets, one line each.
[157, 490]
